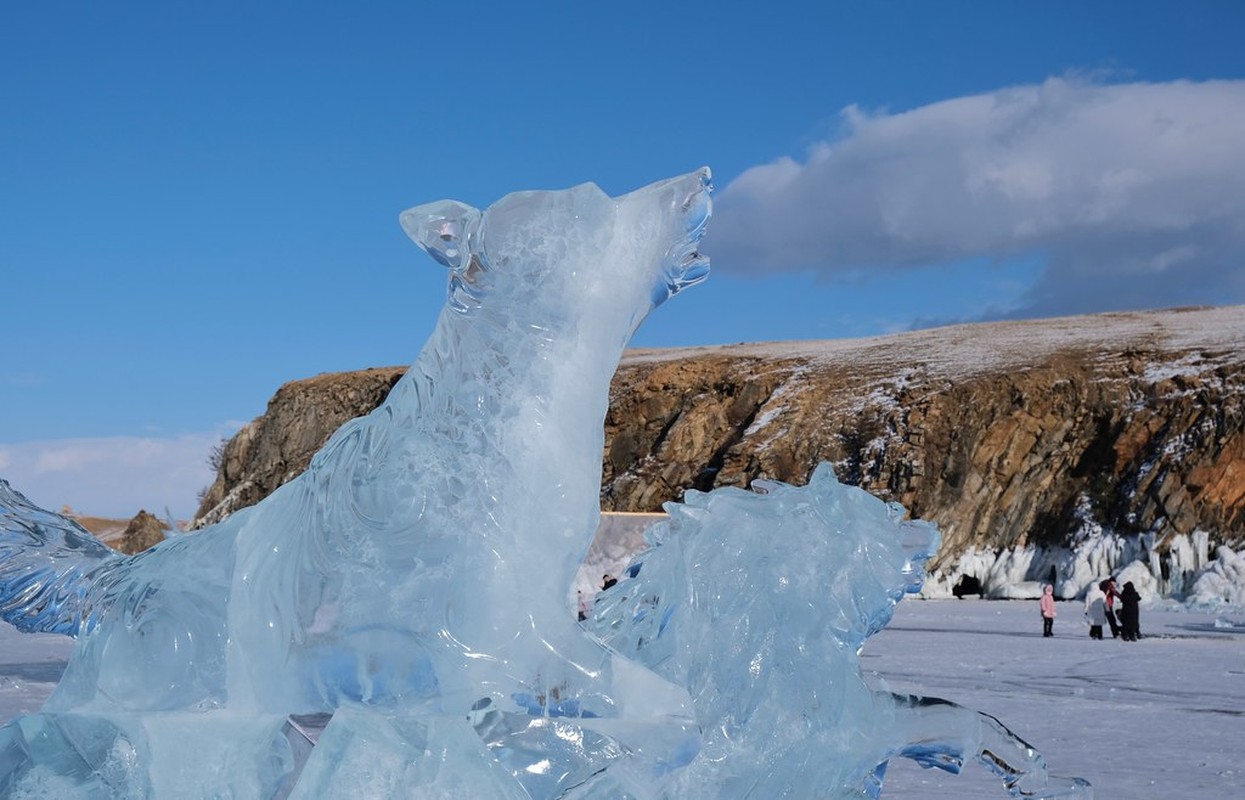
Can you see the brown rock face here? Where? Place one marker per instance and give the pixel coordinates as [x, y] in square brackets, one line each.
[278, 446]
[144, 531]
[993, 431]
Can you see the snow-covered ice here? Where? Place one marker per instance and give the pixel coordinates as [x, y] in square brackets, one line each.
[1157, 719]
[31, 664]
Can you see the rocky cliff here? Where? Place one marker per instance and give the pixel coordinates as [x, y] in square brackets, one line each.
[277, 446]
[1005, 434]
[144, 531]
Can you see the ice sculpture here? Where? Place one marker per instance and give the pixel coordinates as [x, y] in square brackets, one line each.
[759, 602]
[407, 594]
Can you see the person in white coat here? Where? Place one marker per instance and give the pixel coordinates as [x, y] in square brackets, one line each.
[1095, 611]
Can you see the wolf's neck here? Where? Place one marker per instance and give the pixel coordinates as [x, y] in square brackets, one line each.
[496, 393]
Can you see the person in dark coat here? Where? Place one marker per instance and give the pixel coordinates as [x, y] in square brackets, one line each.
[1130, 613]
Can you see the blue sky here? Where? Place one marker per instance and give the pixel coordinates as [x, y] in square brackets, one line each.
[198, 202]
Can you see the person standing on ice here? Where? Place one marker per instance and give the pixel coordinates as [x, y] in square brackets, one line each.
[1130, 613]
[1096, 610]
[1108, 588]
[1047, 606]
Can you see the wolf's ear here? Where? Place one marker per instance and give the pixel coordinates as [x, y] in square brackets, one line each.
[443, 229]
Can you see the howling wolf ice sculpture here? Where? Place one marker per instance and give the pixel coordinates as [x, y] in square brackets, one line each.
[410, 587]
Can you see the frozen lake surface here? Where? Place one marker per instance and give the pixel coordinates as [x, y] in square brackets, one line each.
[1157, 719]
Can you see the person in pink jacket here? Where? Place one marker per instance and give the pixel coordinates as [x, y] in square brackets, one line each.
[1048, 610]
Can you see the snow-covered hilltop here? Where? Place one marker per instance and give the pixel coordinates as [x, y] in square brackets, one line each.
[1120, 436]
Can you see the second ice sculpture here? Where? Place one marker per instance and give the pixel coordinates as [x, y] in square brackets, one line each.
[410, 589]
[759, 603]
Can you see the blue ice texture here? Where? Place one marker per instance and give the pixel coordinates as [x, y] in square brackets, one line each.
[395, 621]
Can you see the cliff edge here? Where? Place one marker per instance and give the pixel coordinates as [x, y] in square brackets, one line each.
[1005, 434]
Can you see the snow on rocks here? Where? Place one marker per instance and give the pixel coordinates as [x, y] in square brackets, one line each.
[1222, 582]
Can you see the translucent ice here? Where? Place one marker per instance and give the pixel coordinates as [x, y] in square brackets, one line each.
[759, 602]
[395, 621]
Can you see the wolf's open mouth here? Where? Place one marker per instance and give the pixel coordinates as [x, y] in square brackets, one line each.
[685, 264]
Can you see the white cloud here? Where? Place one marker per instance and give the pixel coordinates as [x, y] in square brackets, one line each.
[74, 456]
[1133, 194]
[113, 476]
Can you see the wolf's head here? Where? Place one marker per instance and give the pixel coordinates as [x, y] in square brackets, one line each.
[563, 257]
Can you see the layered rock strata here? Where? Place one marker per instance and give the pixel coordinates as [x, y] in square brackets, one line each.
[997, 432]
[278, 445]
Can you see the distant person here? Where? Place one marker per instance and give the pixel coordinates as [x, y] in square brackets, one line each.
[1130, 613]
[1047, 607]
[968, 584]
[583, 605]
[1096, 610]
[1108, 588]
[607, 580]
